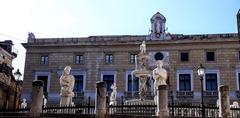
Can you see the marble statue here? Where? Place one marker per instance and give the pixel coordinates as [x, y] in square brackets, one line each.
[67, 84]
[158, 27]
[44, 101]
[142, 87]
[24, 104]
[234, 105]
[142, 58]
[113, 97]
[143, 47]
[31, 35]
[159, 76]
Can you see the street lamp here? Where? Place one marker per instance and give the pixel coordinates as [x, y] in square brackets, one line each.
[201, 72]
[17, 76]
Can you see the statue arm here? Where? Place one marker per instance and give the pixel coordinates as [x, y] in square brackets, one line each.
[72, 82]
[63, 82]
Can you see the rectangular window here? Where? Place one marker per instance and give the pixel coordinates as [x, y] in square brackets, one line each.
[79, 59]
[133, 85]
[109, 79]
[44, 59]
[211, 81]
[78, 85]
[185, 82]
[133, 58]
[210, 56]
[184, 56]
[45, 82]
[108, 58]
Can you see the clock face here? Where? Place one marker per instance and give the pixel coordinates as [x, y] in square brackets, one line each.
[157, 35]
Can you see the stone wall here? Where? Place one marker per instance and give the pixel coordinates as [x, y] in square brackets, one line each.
[61, 54]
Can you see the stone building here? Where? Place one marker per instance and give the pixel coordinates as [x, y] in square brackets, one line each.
[112, 59]
[9, 92]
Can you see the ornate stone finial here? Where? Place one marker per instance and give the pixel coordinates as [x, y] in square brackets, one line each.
[158, 27]
[31, 37]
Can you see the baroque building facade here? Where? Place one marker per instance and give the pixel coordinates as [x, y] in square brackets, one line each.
[9, 91]
[112, 59]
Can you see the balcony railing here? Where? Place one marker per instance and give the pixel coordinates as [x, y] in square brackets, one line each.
[184, 94]
[210, 94]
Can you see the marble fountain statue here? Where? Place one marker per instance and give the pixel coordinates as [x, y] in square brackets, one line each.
[143, 72]
[67, 84]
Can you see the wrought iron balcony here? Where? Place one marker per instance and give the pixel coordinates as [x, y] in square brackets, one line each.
[184, 94]
[210, 94]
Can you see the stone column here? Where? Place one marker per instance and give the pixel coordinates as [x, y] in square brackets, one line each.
[224, 102]
[37, 95]
[100, 101]
[162, 101]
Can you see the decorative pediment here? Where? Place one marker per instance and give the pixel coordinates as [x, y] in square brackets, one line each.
[158, 16]
[158, 27]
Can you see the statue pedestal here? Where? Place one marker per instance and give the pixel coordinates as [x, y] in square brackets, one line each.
[143, 77]
[37, 95]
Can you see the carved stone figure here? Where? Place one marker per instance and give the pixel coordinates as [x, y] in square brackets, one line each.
[159, 75]
[142, 57]
[44, 101]
[113, 97]
[158, 27]
[234, 105]
[67, 85]
[31, 35]
[142, 87]
[143, 47]
[23, 104]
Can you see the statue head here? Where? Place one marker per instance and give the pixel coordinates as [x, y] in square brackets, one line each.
[159, 63]
[67, 70]
[24, 100]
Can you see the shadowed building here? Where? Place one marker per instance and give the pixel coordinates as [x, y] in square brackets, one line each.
[112, 59]
[9, 92]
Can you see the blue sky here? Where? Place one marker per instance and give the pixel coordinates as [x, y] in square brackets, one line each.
[80, 18]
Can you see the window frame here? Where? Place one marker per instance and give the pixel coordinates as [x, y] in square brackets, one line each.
[80, 60]
[207, 71]
[127, 82]
[209, 59]
[185, 71]
[212, 81]
[183, 59]
[133, 57]
[44, 59]
[114, 73]
[76, 82]
[185, 82]
[108, 58]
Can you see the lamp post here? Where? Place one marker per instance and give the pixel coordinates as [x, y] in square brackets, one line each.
[201, 72]
[17, 76]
